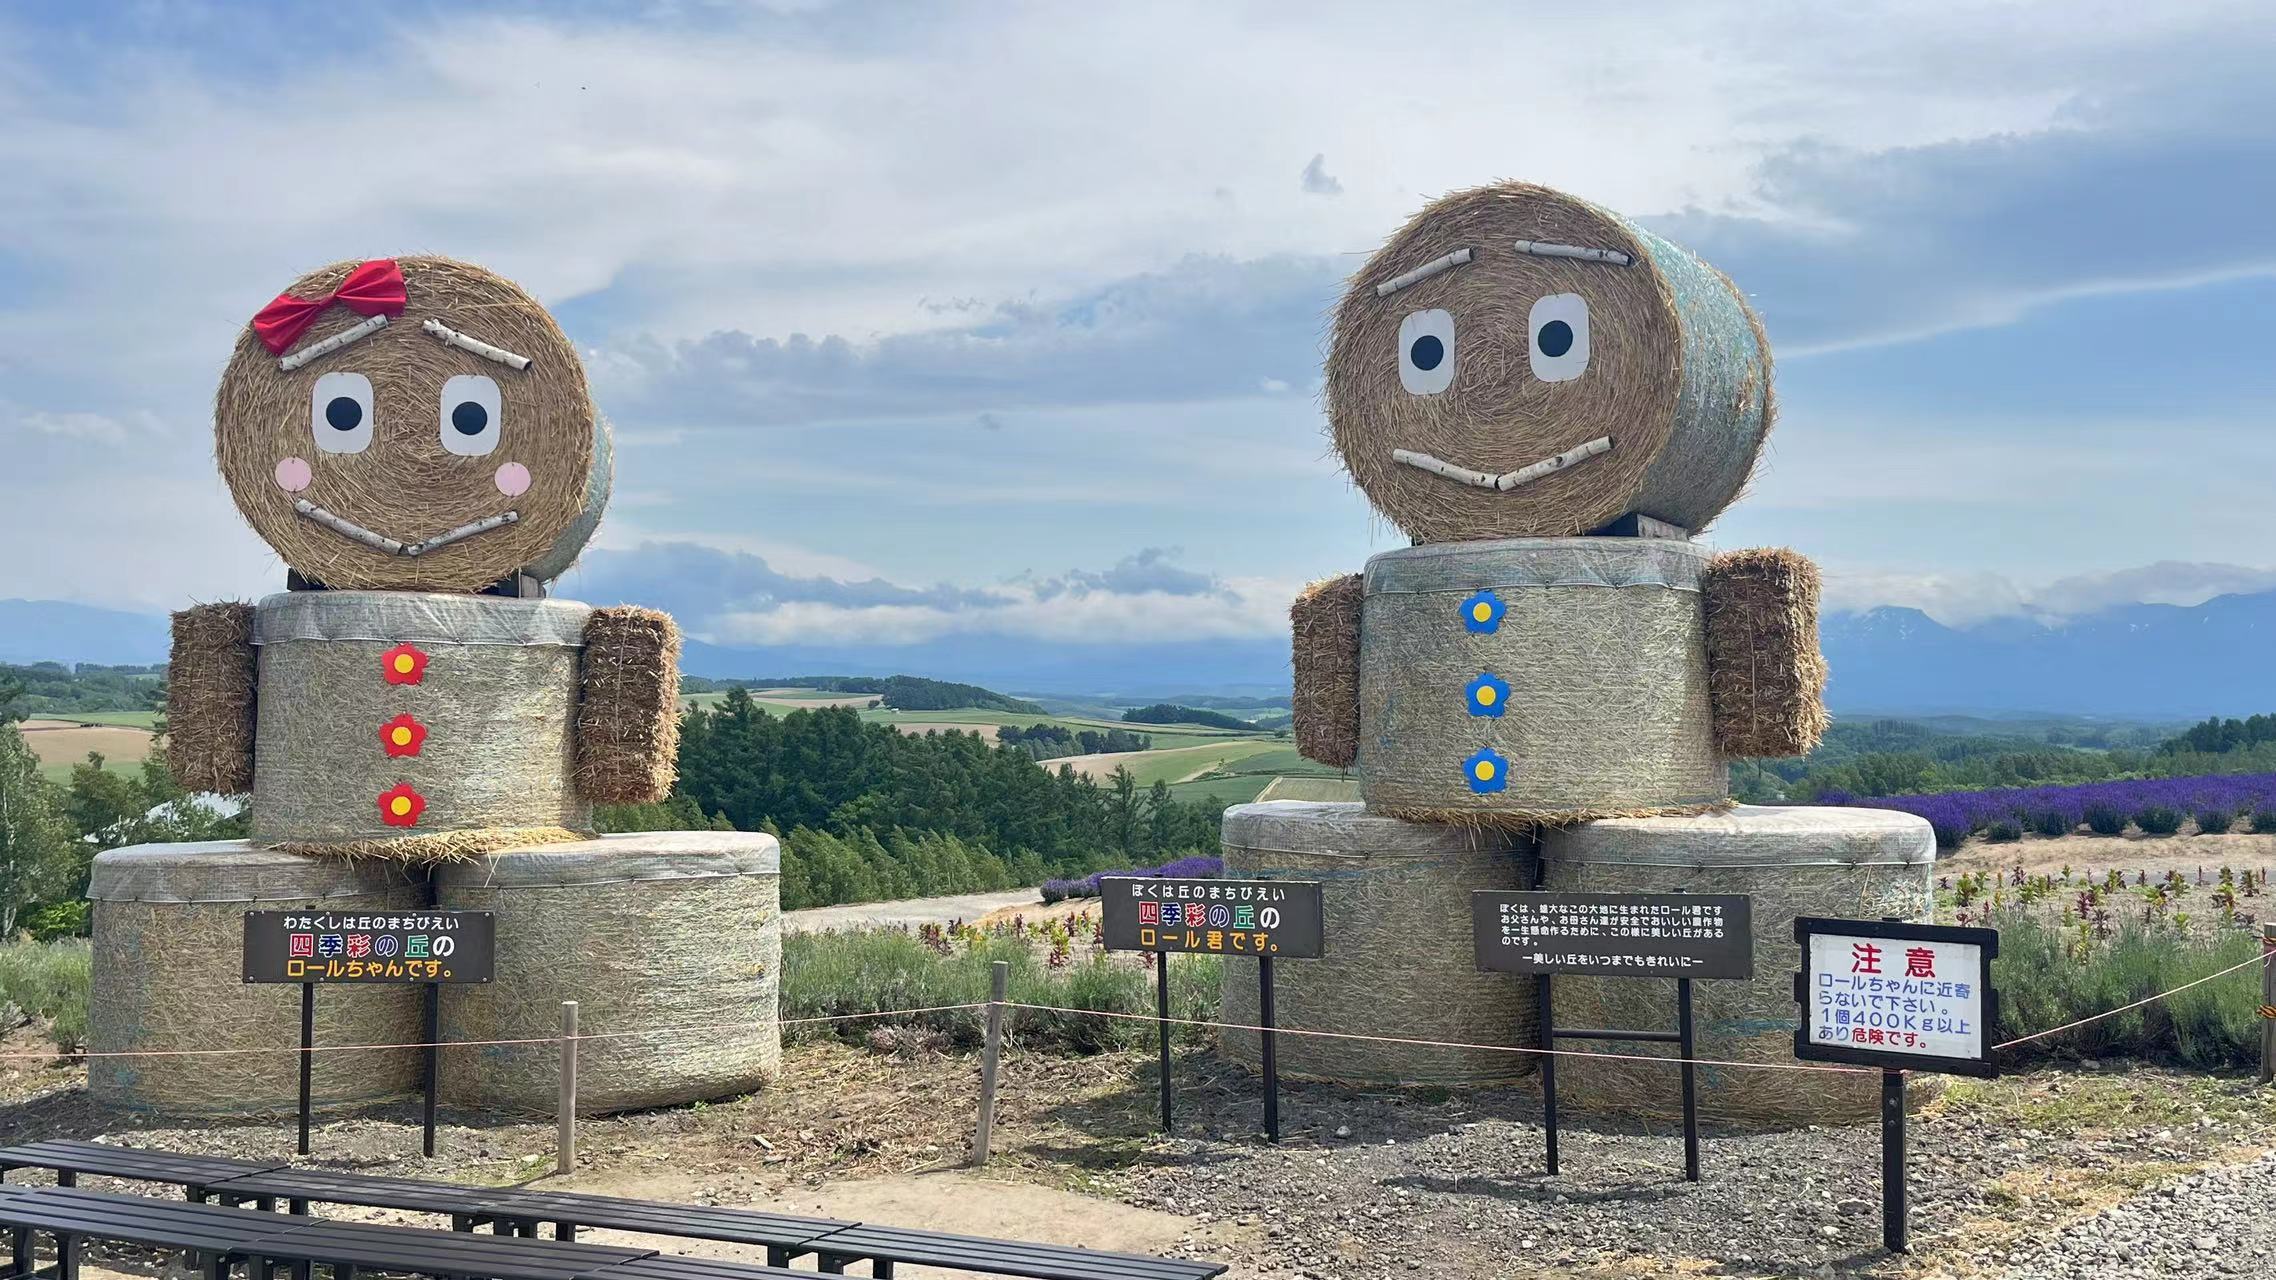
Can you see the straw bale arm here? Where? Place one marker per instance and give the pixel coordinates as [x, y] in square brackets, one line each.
[628, 712]
[1765, 676]
[1325, 624]
[210, 698]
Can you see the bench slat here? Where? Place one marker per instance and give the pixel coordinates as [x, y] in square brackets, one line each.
[701, 1222]
[1008, 1257]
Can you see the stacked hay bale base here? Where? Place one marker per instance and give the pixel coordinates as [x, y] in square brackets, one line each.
[676, 933]
[1396, 896]
[169, 976]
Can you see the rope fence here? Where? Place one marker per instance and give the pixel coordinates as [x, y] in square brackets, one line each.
[2266, 959]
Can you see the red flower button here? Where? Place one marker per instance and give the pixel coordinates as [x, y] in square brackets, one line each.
[400, 806]
[403, 664]
[402, 736]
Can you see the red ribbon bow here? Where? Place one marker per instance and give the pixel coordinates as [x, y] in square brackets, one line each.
[372, 289]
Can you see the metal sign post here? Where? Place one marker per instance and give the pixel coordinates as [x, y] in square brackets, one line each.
[1901, 997]
[428, 947]
[1264, 920]
[1626, 935]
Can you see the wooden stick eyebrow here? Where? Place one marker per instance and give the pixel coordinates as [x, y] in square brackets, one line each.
[369, 326]
[1422, 273]
[452, 337]
[1543, 249]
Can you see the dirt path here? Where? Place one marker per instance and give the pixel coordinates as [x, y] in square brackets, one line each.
[908, 911]
[2154, 854]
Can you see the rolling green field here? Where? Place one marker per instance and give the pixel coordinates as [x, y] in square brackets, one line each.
[134, 719]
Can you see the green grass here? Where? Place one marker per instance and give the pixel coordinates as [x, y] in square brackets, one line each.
[833, 974]
[134, 719]
[1240, 788]
[1337, 789]
[49, 980]
[59, 773]
[2046, 977]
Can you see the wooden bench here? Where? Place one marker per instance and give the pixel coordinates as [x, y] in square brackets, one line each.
[69, 1159]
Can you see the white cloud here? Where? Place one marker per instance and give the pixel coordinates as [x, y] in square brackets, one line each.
[1965, 598]
[1317, 181]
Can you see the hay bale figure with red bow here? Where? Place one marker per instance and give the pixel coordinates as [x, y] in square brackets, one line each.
[415, 439]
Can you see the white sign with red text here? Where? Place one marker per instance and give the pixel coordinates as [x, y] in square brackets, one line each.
[1896, 995]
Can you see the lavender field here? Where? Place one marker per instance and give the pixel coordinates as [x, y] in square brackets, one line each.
[2212, 804]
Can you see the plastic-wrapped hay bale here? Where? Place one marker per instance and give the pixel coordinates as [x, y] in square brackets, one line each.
[1398, 960]
[1853, 863]
[657, 930]
[169, 975]
[459, 709]
[1536, 680]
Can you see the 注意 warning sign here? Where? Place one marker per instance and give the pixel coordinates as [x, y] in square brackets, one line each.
[1280, 919]
[394, 946]
[1636, 935]
[1886, 994]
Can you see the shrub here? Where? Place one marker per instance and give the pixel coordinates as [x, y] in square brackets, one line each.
[2264, 821]
[49, 980]
[57, 920]
[2003, 830]
[2214, 822]
[2051, 822]
[2105, 820]
[2044, 980]
[2158, 819]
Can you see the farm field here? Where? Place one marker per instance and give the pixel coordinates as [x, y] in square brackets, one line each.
[62, 743]
[1321, 789]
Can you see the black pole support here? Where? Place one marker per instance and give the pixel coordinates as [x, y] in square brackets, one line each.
[1267, 1056]
[1548, 1071]
[307, 1056]
[1683, 1042]
[433, 1020]
[1893, 1208]
[1162, 1019]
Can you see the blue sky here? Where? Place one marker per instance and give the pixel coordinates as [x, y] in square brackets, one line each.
[998, 319]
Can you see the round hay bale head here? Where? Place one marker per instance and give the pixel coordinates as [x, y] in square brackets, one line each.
[415, 726]
[1398, 959]
[403, 435]
[677, 930]
[1536, 680]
[1851, 863]
[1513, 356]
[169, 951]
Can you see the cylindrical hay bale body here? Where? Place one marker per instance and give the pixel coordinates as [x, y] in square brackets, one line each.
[169, 975]
[669, 930]
[1529, 353]
[1536, 680]
[1851, 863]
[415, 725]
[1398, 959]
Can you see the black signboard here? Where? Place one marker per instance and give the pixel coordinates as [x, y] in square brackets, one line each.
[425, 945]
[1269, 919]
[1628, 935]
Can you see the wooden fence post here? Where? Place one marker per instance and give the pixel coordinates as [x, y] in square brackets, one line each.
[565, 1111]
[999, 980]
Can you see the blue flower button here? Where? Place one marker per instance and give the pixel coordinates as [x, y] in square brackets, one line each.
[1482, 613]
[1487, 694]
[1487, 771]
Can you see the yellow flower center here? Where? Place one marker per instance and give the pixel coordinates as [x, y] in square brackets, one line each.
[1485, 770]
[1486, 695]
[399, 806]
[402, 737]
[403, 663]
[1481, 611]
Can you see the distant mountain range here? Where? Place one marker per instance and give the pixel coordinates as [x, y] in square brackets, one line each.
[2145, 661]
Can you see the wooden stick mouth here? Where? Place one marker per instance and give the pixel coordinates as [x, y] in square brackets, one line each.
[1507, 480]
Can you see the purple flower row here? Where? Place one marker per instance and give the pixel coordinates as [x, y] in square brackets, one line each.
[2156, 805]
[1087, 887]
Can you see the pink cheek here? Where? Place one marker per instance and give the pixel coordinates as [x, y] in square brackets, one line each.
[513, 479]
[293, 475]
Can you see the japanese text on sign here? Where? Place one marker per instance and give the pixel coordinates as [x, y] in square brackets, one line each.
[1660, 935]
[1897, 995]
[410, 946]
[1269, 918]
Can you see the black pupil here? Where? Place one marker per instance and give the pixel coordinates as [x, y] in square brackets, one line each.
[1555, 340]
[344, 413]
[469, 418]
[1427, 352]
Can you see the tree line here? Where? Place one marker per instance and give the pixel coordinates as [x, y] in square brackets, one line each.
[1048, 741]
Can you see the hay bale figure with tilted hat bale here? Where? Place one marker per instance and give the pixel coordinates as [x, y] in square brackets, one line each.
[419, 725]
[1551, 401]
[1546, 687]
[415, 439]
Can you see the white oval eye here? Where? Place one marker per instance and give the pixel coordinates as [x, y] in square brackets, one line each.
[1557, 337]
[470, 421]
[1426, 352]
[339, 413]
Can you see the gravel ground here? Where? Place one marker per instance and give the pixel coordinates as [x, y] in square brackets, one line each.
[2214, 1224]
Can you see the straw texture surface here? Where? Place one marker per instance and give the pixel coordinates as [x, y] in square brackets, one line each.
[1678, 376]
[406, 485]
[1325, 625]
[1398, 959]
[1855, 863]
[675, 929]
[628, 713]
[1764, 671]
[169, 938]
[1602, 692]
[494, 700]
[209, 699]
